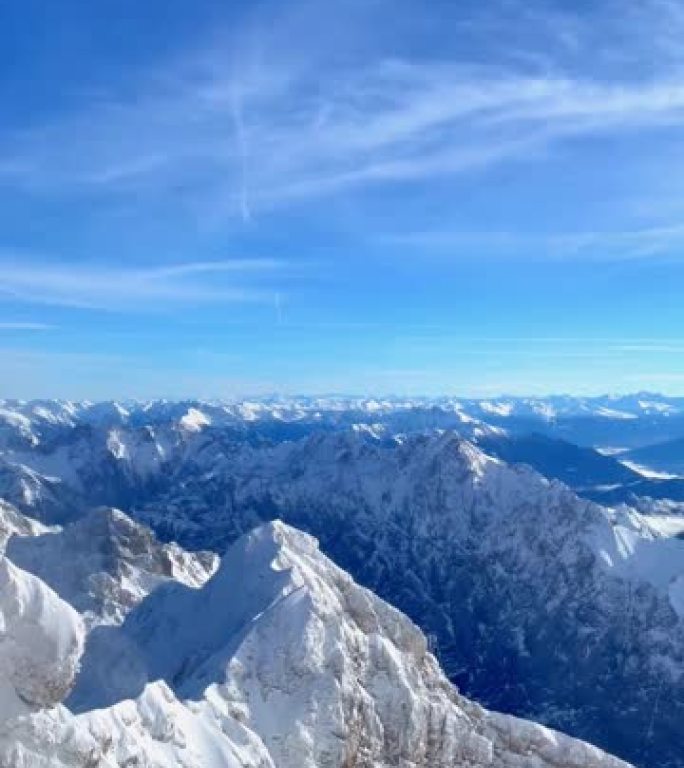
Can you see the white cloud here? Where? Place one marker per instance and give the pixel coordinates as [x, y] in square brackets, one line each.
[21, 325]
[138, 288]
[608, 245]
[255, 128]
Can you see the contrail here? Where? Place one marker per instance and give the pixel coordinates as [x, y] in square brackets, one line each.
[239, 126]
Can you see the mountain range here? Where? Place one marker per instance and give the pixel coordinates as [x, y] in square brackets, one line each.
[479, 520]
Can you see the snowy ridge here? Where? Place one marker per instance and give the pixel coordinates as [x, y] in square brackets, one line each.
[301, 668]
[82, 454]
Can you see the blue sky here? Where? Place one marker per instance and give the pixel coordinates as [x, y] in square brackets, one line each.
[228, 198]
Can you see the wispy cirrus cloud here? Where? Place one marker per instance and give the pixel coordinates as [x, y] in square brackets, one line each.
[387, 122]
[247, 126]
[607, 245]
[22, 325]
[139, 288]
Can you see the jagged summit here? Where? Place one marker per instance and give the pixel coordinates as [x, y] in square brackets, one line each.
[105, 563]
[279, 661]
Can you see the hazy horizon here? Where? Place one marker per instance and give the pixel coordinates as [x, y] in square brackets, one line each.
[351, 396]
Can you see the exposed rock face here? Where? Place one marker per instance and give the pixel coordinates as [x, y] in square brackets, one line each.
[104, 564]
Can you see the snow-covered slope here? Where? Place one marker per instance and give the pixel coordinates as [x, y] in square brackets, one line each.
[34, 494]
[299, 668]
[155, 730]
[104, 563]
[41, 639]
[13, 523]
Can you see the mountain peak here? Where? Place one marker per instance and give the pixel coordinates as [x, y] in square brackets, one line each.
[324, 672]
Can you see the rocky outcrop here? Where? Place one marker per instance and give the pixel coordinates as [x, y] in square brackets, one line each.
[104, 563]
[13, 523]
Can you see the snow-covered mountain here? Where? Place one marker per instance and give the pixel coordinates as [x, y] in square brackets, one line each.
[13, 523]
[617, 421]
[41, 639]
[104, 563]
[540, 603]
[115, 454]
[299, 668]
[537, 602]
